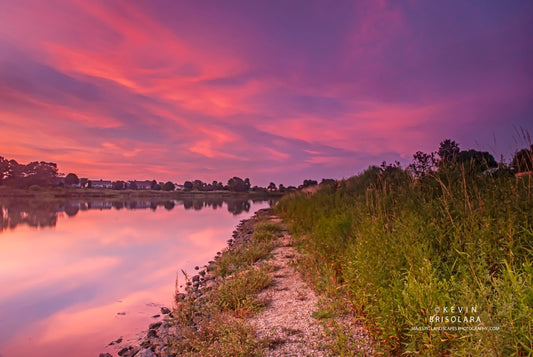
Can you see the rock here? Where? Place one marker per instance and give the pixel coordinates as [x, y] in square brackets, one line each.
[195, 278]
[105, 355]
[155, 325]
[165, 310]
[119, 340]
[151, 333]
[128, 351]
[180, 296]
[156, 316]
[145, 353]
[121, 313]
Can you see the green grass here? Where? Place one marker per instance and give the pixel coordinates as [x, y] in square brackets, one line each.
[397, 248]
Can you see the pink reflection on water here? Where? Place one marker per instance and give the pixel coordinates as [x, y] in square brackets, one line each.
[98, 276]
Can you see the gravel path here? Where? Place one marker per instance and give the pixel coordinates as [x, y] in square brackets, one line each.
[287, 320]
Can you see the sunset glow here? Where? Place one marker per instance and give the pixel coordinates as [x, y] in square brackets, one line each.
[273, 91]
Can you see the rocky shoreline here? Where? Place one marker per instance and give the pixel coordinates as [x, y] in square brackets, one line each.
[161, 334]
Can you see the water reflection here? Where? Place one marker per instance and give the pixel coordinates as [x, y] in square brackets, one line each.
[70, 290]
[40, 214]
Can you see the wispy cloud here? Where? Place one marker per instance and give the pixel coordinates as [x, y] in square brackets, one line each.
[271, 91]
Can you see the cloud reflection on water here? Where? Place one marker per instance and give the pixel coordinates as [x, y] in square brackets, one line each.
[63, 287]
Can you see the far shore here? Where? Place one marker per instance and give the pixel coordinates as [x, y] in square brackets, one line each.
[91, 193]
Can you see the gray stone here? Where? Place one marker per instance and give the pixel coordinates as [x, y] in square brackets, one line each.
[165, 310]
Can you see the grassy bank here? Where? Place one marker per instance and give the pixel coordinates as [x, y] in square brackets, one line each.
[211, 319]
[408, 254]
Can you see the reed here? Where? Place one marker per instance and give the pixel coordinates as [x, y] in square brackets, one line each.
[402, 250]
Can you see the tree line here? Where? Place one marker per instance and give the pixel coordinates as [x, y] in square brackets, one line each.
[45, 174]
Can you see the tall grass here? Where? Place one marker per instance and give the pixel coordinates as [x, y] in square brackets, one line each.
[403, 250]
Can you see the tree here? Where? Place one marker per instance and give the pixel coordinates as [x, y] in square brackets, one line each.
[308, 183]
[237, 184]
[523, 160]
[187, 185]
[477, 160]
[271, 186]
[448, 151]
[4, 169]
[119, 185]
[84, 181]
[199, 185]
[169, 186]
[423, 164]
[72, 179]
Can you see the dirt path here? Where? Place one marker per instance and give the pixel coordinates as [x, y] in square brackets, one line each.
[287, 320]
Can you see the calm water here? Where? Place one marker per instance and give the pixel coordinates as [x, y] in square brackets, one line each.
[75, 276]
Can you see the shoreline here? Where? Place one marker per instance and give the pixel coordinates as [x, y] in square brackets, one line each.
[194, 291]
[96, 193]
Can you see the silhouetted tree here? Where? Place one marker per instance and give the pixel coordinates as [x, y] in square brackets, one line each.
[4, 169]
[187, 185]
[448, 151]
[477, 160]
[423, 164]
[72, 179]
[119, 185]
[271, 186]
[237, 184]
[308, 183]
[84, 181]
[523, 160]
[169, 186]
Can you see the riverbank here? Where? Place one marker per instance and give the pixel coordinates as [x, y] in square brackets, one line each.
[55, 193]
[248, 301]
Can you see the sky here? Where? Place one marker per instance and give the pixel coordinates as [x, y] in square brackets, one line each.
[276, 91]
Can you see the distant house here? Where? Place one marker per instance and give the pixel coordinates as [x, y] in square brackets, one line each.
[100, 184]
[140, 185]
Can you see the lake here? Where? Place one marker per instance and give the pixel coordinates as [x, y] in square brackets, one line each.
[77, 275]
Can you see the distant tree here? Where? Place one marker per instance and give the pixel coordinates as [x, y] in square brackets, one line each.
[187, 186]
[328, 182]
[237, 184]
[84, 181]
[308, 183]
[72, 179]
[132, 185]
[118, 185]
[281, 188]
[247, 184]
[448, 151]
[271, 186]
[477, 160]
[423, 164]
[199, 185]
[4, 169]
[35, 173]
[523, 160]
[169, 186]
[153, 185]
